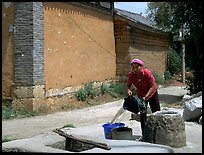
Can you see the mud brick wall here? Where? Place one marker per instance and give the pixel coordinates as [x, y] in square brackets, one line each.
[79, 45]
[122, 48]
[7, 48]
[136, 42]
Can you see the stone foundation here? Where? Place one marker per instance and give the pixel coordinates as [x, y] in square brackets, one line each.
[37, 98]
[28, 98]
[166, 128]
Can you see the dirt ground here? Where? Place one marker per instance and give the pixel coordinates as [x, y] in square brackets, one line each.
[83, 114]
[98, 114]
[75, 104]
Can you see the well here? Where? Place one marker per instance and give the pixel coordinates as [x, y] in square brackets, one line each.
[166, 128]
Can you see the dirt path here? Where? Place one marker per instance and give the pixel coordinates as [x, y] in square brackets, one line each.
[28, 127]
[100, 114]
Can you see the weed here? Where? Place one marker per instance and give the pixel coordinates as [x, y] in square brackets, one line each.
[167, 75]
[68, 126]
[87, 92]
[114, 89]
[6, 139]
[8, 113]
[158, 79]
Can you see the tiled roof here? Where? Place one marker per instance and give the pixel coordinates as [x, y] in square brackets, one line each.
[137, 18]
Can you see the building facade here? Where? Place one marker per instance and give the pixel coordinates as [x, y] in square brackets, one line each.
[51, 49]
[135, 37]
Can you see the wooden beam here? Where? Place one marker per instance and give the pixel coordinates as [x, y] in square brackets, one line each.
[100, 145]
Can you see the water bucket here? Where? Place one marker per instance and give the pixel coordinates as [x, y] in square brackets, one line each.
[123, 133]
[108, 127]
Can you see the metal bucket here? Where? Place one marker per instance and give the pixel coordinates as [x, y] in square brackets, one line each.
[109, 127]
[122, 133]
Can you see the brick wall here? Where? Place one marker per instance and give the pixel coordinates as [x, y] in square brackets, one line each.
[133, 42]
[29, 43]
[38, 44]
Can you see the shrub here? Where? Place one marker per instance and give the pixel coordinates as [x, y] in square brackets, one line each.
[104, 88]
[87, 92]
[174, 62]
[167, 75]
[81, 95]
[114, 89]
[7, 112]
[158, 79]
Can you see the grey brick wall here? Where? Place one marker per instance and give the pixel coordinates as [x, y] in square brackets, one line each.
[38, 50]
[28, 43]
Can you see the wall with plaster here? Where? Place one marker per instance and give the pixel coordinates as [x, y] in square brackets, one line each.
[7, 48]
[79, 46]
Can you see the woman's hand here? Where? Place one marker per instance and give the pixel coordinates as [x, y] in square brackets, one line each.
[145, 98]
[129, 92]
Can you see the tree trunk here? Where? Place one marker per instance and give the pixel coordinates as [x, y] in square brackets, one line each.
[183, 54]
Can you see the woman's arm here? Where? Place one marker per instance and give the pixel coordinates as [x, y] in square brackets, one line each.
[150, 91]
[129, 91]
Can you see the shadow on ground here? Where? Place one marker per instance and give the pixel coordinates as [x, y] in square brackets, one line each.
[166, 98]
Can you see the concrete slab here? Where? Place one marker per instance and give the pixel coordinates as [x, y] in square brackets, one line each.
[38, 143]
[127, 146]
[43, 142]
[96, 133]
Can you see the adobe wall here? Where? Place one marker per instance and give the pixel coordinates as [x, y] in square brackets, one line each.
[133, 42]
[7, 48]
[79, 46]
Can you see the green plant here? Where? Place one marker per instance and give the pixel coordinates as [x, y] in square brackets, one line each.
[24, 113]
[104, 88]
[82, 95]
[118, 88]
[114, 89]
[8, 113]
[68, 126]
[87, 92]
[158, 79]
[167, 75]
[174, 62]
[6, 139]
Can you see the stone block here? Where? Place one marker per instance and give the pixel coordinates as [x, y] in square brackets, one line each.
[22, 92]
[23, 104]
[28, 104]
[166, 128]
[39, 91]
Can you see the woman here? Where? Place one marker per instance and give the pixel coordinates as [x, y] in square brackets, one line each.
[146, 88]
